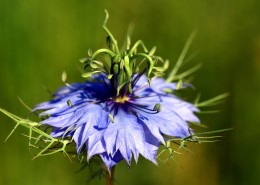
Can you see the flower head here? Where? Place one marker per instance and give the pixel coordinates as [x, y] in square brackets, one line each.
[121, 112]
[119, 127]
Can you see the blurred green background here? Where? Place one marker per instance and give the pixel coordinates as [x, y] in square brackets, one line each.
[39, 39]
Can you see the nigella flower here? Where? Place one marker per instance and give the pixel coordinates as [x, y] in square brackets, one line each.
[118, 127]
[121, 112]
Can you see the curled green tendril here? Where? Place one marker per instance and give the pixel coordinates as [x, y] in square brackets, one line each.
[114, 42]
[124, 64]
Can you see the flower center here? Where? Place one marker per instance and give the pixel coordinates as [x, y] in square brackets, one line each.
[121, 99]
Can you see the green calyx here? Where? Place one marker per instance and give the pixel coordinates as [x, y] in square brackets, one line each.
[120, 66]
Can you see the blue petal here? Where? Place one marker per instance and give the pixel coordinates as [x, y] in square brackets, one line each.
[92, 118]
[68, 89]
[95, 146]
[111, 161]
[57, 132]
[151, 144]
[159, 85]
[125, 135]
[165, 122]
[184, 109]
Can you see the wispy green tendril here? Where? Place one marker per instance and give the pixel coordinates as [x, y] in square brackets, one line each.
[172, 75]
[181, 143]
[34, 127]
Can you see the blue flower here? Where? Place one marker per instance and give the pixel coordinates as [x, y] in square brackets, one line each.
[118, 127]
[121, 112]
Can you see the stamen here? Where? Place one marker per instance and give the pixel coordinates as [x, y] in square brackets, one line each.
[111, 118]
[157, 107]
[69, 103]
[143, 109]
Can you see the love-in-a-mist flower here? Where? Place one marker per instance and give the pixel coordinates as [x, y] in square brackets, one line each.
[123, 109]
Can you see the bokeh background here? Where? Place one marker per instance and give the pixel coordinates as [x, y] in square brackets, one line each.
[39, 39]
